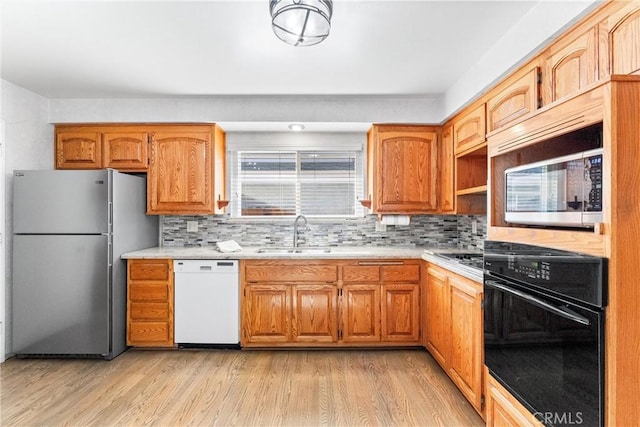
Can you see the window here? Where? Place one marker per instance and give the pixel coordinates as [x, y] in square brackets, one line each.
[289, 183]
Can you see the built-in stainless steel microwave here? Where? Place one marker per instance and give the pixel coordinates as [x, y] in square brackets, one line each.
[565, 191]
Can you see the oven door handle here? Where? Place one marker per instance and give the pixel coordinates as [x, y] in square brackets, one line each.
[560, 311]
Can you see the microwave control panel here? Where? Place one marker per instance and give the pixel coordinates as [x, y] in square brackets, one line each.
[593, 174]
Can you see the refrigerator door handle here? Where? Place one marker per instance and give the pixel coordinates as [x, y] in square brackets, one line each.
[110, 215]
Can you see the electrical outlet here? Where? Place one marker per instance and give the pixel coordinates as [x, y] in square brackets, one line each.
[380, 227]
[474, 227]
[192, 226]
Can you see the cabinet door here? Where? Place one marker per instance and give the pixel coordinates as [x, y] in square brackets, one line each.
[78, 150]
[437, 315]
[624, 40]
[570, 67]
[406, 173]
[465, 362]
[315, 313]
[516, 98]
[267, 309]
[125, 151]
[503, 410]
[469, 130]
[180, 177]
[446, 179]
[361, 313]
[400, 313]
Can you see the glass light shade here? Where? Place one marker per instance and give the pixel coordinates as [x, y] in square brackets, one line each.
[301, 22]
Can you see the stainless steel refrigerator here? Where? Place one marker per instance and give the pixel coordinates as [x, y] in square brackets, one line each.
[69, 283]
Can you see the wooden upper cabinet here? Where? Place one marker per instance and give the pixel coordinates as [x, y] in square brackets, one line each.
[404, 160]
[81, 149]
[516, 97]
[469, 130]
[446, 167]
[570, 66]
[623, 38]
[463, 180]
[125, 151]
[180, 174]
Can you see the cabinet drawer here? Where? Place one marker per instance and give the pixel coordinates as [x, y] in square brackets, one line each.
[140, 292]
[291, 273]
[401, 273]
[157, 333]
[361, 273]
[149, 270]
[149, 311]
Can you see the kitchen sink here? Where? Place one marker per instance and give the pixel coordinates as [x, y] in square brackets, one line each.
[304, 250]
[274, 250]
[311, 250]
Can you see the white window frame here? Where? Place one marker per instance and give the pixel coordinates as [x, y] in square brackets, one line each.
[233, 173]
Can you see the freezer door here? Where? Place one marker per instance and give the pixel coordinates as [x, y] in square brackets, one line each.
[61, 289]
[61, 202]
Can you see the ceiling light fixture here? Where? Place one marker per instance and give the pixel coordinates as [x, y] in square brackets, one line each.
[301, 22]
[297, 127]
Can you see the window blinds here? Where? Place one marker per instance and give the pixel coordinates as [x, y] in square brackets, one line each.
[289, 183]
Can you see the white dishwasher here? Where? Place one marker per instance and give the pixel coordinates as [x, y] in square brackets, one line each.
[207, 302]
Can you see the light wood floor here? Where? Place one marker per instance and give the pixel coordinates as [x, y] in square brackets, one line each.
[231, 387]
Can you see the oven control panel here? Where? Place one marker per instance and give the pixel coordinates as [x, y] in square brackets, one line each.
[532, 269]
[574, 275]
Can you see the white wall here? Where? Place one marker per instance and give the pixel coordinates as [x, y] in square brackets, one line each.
[339, 108]
[29, 145]
[545, 21]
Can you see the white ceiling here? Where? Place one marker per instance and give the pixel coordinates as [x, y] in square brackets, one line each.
[64, 49]
[94, 49]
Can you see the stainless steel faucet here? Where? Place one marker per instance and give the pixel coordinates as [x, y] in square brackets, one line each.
[295, 229]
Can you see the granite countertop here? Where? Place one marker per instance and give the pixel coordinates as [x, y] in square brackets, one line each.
[249, 252]
[345, 252]
[431, 255]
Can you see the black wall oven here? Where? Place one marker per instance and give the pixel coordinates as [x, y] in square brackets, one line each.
[544, 330]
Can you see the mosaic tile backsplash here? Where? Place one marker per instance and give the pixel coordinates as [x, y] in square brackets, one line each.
[424, 230]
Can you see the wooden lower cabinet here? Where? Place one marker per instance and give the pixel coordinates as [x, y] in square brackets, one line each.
[267, 309]
[330, 303]
[453, 329]
[361, 313]
[465, 358]
[315, 313]
[503, 410]
[150, 302]
[400, 313]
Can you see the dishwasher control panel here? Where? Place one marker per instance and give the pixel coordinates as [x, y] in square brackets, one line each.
[205, 266]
